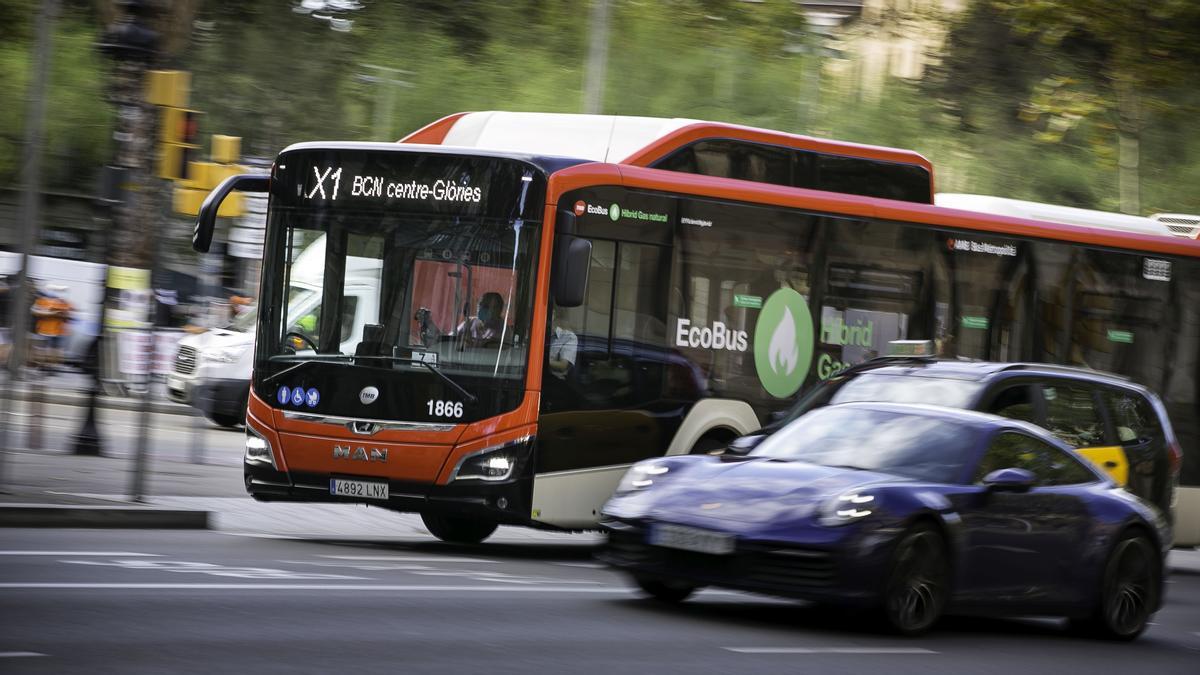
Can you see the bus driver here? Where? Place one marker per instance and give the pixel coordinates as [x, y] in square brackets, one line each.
[487, 325]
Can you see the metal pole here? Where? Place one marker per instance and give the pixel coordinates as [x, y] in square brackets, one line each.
[137, 488]
[30, 201]
[593, 84]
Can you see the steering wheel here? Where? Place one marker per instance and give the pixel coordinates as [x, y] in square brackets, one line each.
[303, 338]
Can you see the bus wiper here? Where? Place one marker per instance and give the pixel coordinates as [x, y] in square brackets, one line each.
[345, 358]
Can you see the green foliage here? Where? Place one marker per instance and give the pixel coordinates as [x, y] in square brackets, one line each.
[1021, 105]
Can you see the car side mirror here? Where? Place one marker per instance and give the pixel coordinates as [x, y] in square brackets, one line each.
[1009, 480]
[742, 445]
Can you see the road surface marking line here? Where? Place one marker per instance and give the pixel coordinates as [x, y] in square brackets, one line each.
[18, 655]
[586, 566]
[400, 558]
[830, 650]
[310, 587]
[76, 554]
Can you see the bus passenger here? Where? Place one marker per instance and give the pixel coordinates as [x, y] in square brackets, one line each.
[487, 325]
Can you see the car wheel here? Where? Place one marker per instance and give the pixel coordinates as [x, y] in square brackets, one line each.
[918, 582]
[1128, 591]
[227, 421]
[672, 592]
[458, 530]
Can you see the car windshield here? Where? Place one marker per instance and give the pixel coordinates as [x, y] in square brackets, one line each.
[911, 445]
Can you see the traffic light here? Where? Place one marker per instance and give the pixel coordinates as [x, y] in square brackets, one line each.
[180, 136]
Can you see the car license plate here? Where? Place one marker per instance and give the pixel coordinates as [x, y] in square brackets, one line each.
[358, 488]
[692, 539]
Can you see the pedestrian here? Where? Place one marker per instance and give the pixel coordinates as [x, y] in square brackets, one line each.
[52, 314]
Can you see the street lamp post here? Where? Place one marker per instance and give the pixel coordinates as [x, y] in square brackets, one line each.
[132, 45]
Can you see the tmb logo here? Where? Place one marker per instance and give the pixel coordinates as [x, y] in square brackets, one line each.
[580, 207]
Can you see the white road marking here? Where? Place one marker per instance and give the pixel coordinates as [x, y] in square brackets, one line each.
[209, 569]
[586, 566]
[618, 590]
[77, 554]
[18, 655]
[830, 650]
[410, 559]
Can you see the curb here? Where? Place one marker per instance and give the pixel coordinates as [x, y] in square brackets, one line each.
[121, 517]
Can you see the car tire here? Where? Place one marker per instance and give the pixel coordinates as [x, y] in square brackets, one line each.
[227, 421]
[671, 592]
[1128, 593]
[457, 529]
[917, 584]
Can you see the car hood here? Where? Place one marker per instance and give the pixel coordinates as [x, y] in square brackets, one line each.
[756, 490]
[217, 338]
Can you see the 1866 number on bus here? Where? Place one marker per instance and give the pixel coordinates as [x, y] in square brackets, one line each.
[445, 408]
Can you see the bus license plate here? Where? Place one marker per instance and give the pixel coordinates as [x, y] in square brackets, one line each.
[692, 539]
[358, 488]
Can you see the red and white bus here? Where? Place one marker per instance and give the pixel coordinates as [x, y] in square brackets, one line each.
[561, 296]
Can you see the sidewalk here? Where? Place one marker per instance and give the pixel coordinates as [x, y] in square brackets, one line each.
[71, 388]
[64, 490]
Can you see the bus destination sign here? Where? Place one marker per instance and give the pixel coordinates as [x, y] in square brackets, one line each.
[328, 184]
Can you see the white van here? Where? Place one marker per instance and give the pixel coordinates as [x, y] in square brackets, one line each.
[212, 370]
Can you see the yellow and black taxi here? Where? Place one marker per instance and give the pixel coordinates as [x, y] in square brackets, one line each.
[1120, 426]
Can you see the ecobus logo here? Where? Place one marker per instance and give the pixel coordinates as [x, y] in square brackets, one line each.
[783, 343]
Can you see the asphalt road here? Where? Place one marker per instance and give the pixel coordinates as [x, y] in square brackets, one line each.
[204, 602]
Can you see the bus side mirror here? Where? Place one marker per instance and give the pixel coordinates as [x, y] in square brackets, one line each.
[572, 260]
[206, 219]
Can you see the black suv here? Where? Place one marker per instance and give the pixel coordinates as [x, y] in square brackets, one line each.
[1120, 426]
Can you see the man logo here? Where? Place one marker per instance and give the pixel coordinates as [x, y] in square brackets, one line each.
[360, 454]
[580, 207]
[368, 395]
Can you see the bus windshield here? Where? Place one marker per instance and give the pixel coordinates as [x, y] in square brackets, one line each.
[428, 307]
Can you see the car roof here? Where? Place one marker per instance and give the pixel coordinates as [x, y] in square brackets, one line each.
[982, 370]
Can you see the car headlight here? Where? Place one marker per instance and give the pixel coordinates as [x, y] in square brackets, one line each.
[224, 354]
[493, 464]
[847, 508]
[641, 476]
[258, 448]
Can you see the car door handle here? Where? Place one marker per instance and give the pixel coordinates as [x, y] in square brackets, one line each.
[1110, 464]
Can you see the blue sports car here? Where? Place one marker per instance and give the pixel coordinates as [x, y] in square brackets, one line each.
[910, 510]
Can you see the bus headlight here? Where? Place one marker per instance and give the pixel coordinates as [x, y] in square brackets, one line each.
[258, 449]
[493, 464]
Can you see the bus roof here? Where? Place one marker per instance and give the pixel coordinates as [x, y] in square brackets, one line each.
[619, 139]
[1069, 215]
[586, 175]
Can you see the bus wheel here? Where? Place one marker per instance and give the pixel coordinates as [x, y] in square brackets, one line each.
[457, 530]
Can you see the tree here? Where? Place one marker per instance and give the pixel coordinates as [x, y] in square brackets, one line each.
[1137, 54]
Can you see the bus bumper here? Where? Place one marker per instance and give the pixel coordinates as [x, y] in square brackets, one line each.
[505, 502]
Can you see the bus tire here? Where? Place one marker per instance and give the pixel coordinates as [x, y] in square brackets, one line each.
[458, 529]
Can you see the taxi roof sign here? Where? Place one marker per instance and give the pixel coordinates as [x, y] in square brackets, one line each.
[910, 348]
